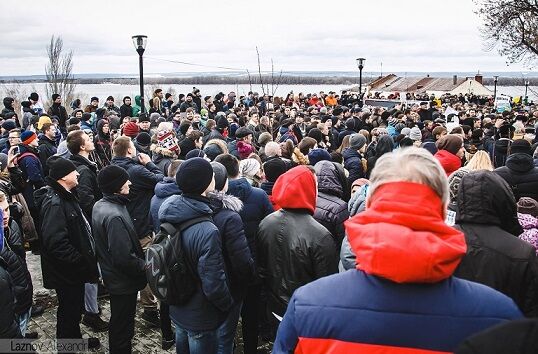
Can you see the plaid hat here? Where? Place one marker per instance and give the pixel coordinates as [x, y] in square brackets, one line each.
[167, 140]
[28, 136]
[131, 130]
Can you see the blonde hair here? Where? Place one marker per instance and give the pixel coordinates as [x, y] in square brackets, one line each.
[480, 161]
[410, 165]
[2, 197]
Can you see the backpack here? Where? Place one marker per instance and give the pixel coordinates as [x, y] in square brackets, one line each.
[168, 272]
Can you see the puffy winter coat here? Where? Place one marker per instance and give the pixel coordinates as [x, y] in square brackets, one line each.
[9, 326]
[521, 175]
[495, 255]
[402, 297]
[256, 206]
[164, 189]
[67, 247]
[162, 158]
[530, 229]
[331, 209]
[14, 255]
[448, 161]
[238, 260]
[143, 179]
[118, 249]
[293, 248]
[207, 308]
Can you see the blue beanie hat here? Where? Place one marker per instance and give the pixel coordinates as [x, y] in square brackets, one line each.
[316, 155]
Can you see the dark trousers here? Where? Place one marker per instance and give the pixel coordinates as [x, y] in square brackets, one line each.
[70, 308]
[122, 321]
[166, 322]
[250, 316]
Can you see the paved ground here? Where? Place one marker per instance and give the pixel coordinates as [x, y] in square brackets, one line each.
[146, 340]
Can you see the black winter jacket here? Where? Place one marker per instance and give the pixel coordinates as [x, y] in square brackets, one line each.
[87, 190]
[238, 260]
[331, 210]
[15, 257]
[9, 327]
[293, 250]
[117, 246]
[517, 337]
[143, 179]
[521, 175]
[46, 149]
[67, 247]
[496, 257]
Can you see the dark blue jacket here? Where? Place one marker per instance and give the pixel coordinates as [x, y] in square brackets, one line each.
[143, 179]
[32, 170]
[256, 206]
[237, 257]
[164, 189]
[374, 313]
[353, 164]
[209, 305]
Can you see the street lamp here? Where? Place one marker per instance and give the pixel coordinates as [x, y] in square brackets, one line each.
[139, 42]
[495, 78]
[360, 65]
[526, 88]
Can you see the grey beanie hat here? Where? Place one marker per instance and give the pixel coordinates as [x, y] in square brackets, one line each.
[220, 175]
[357, 141]
[406, 131]
[415, 134]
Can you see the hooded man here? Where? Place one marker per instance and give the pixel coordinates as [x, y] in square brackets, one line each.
[293, 248]
[126, 110]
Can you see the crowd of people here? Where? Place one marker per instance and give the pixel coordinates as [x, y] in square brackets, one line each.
[422, 219]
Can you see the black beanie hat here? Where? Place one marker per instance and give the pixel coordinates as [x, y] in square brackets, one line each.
[274, 168]
[183, 127]
[86, 116]
[111, 179]
[222, 122]
[220, 175]
[59, 167]
[194, 176]
[143, 139]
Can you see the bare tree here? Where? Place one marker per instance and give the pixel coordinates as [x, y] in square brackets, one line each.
[59, 69]
[511, 27]
[260, 70]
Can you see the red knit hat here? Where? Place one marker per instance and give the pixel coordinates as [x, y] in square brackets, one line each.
[131, 130]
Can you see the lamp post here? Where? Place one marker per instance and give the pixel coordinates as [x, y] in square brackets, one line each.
[495, 78]
[360, 65]
[139, 42]
[526, 88]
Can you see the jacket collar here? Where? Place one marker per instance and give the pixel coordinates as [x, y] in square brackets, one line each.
[62, 192]
[116, 198]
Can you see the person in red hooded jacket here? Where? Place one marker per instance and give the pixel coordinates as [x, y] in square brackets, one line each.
[402, 297]
[450, 152]
[293, 248]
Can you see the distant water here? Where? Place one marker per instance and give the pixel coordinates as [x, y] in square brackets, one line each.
[118, 91]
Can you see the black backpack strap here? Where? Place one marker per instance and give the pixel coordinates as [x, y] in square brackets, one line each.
[184, 226]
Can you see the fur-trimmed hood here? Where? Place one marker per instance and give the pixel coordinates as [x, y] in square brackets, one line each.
[221, 200]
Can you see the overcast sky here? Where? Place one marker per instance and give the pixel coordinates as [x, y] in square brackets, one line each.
[299, 35]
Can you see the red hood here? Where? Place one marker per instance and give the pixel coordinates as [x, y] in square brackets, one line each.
[402, 235]
[448, 160]
[296, 189]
